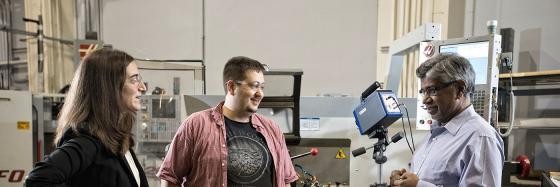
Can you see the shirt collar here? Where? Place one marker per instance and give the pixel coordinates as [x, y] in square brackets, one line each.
[458, 121]
[218, 116]
[255, 120]
[453, 125]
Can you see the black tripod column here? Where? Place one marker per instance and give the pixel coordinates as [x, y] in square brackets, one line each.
[379, 148]
[378, 156]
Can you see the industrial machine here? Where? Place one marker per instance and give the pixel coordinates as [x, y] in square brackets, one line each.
[483, 53]
[176, 77]
[156, 124]
[17, 155]
[46, 108]
[28, 128]
[282, 104]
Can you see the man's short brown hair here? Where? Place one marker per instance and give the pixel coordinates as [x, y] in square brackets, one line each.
[236, 68]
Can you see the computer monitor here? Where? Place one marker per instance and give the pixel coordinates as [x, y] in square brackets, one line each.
[157, 120]
[482, 53]
[476, 53]
[163, 108]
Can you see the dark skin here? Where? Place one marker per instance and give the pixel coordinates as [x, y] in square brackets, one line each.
[448, 103]
[396, 176]
[403, 178]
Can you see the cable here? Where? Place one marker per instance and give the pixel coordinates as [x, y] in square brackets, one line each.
[512, 109]
[404, 129]
[413, 148]
[405, 136]
[409, 127]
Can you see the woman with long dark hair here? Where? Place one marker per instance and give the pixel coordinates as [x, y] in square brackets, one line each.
[94, 137]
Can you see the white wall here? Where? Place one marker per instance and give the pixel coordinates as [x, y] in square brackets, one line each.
[535, 25]
[333, 41]
[153, 29]
[536, 43]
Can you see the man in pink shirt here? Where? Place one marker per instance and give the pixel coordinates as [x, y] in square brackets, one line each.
[230, 145]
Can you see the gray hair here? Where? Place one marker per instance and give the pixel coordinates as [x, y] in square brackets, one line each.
[447, 67]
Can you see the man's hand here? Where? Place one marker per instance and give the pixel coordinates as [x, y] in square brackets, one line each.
[396, 175]
[407, 179]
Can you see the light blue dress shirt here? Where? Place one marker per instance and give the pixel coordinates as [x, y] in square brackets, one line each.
[466, 151]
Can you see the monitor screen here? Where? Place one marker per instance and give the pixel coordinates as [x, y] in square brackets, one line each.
[163, 108]
[476, 53]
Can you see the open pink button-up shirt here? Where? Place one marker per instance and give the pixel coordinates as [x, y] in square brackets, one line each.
[198, 153]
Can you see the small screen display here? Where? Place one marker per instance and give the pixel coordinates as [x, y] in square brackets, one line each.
[163, 108]
[476, 53]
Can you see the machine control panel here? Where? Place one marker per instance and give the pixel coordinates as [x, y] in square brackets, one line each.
[156, 123]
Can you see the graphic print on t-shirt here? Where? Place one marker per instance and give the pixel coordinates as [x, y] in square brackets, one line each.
[249, 161]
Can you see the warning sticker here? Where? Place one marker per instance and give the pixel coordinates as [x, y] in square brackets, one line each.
[340, 154]
[23, 125]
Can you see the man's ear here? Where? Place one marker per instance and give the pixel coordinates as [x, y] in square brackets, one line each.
[230, 87]
[462, 88]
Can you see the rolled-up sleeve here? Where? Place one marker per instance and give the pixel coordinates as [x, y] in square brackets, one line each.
[177, 164]
[290, 174]
[287, 172]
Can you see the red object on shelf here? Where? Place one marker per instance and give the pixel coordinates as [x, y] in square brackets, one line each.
[525, 165]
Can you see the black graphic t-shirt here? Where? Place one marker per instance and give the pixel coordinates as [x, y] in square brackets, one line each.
[249, 160]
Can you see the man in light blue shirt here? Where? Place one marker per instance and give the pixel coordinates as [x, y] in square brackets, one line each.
[462, 149]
